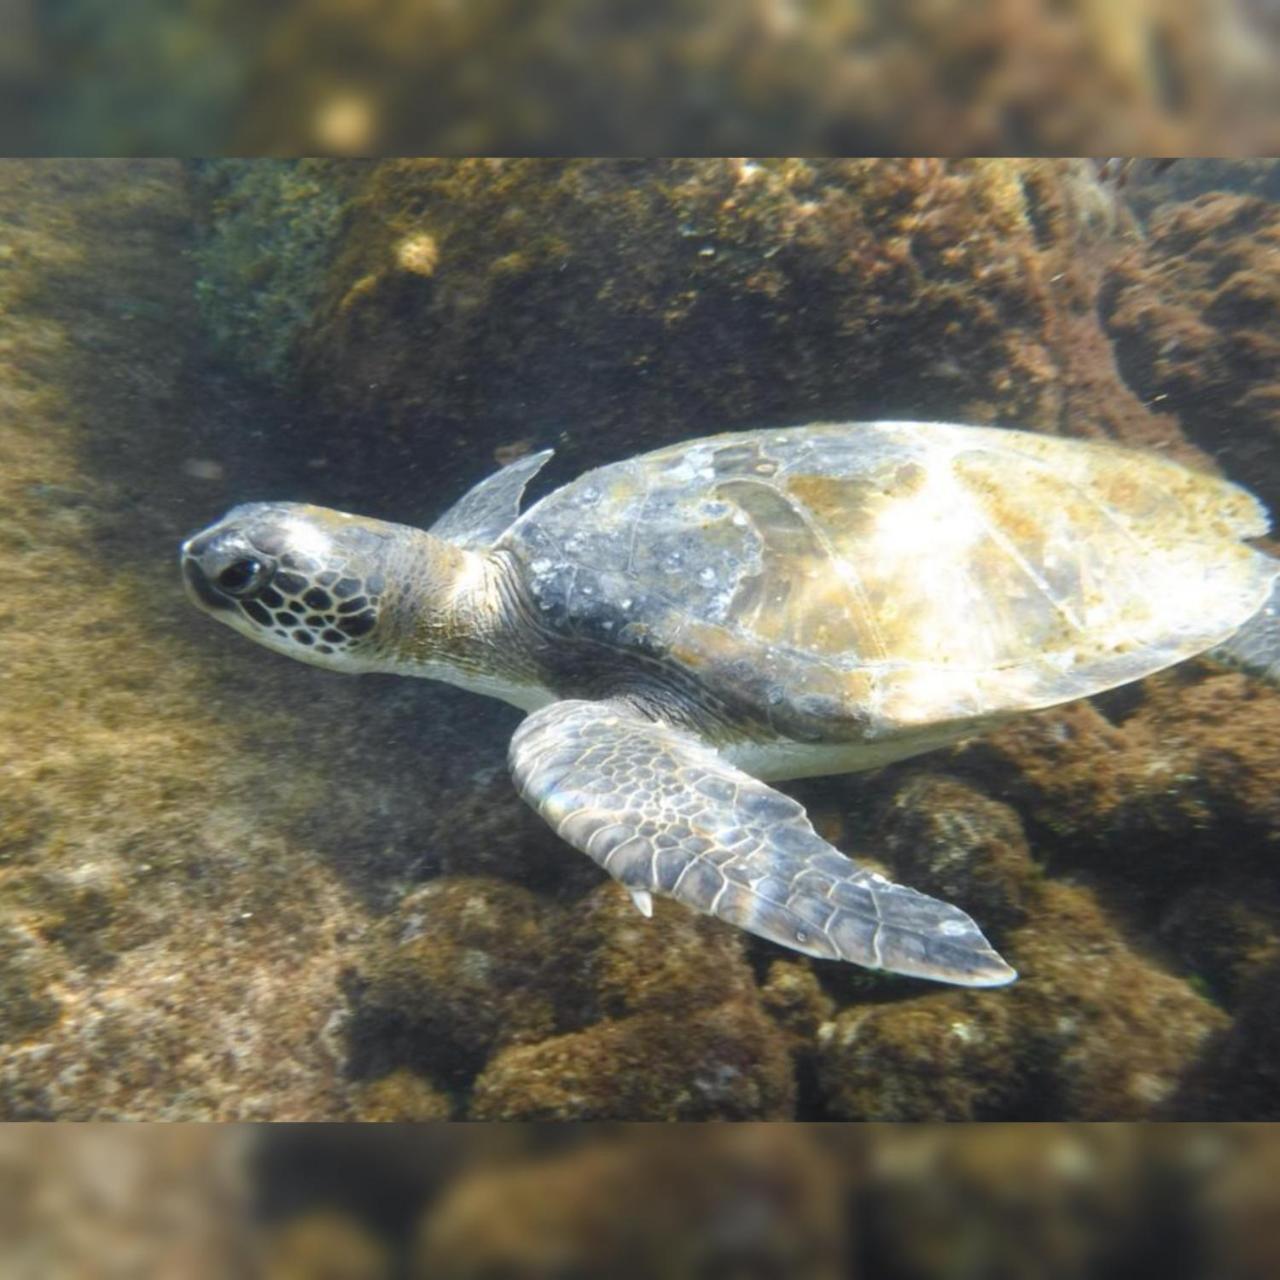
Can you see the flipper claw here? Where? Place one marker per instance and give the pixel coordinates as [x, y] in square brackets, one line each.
[643, 900]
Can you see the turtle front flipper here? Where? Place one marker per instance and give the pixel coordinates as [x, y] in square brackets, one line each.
[661, 812]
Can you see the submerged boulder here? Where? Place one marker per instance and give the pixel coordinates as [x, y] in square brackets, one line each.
[459, 311]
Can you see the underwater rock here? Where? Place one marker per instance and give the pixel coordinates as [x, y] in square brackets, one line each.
[745, 1200]
[158, 850]
[1160, 186]
[1090, 1030]
[1225, 932]
[794, 998]
[28, 970]
[84, 910]
[612, 962]
[325, 1245]
[459, 968]
[1219, 732]
[1239, 1074]
[403, 1097]
[1110, 1034]
[1194, 315]
[611, 306]
[114, 1201]
[946, 839]
[725, 1062]
[1061, 1201]
[269, 228]
[951, 1056]
[1180, 784]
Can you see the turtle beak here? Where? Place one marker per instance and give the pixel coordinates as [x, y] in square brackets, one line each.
[202, 557]
[199, 589]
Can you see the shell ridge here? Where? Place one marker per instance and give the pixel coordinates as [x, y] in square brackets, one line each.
[1059, 567]
[849, 577]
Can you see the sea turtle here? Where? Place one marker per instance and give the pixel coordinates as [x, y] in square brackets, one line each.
[687, 625]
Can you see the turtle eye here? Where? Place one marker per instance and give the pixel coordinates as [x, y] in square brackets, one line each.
[241, 576]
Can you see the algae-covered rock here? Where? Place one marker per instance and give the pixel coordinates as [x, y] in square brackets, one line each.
[465, 967]
[458, 969]
[28, 970]
[325, 1245]
[270, 227]
[1178, 784]
[664, 1012]
[1091, 1029]
[745, 1200]
[402, 1097]
[951, 1056]
[1003, 1200]
[460, 309]
[946, 839]
[84, 910]
[1113, 1035]
[794, 997]
[1195, 317]
[155, 793]
[727, 1062]
[612, 962]
[1225, 932]
[1239, 1071]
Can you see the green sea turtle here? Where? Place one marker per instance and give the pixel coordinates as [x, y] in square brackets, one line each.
[685, 626]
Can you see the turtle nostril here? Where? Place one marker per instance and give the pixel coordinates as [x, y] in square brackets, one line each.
[195, 546]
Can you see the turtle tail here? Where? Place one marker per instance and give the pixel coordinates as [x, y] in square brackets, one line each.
[1255, 648]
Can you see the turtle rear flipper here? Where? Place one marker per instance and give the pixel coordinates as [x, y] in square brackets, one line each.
[663, 813]
[1255, 648]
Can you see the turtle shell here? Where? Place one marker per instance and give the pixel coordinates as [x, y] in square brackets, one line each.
[892, 574]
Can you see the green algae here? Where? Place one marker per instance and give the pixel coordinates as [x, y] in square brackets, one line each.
[728, 1063]
[265, 240]
[27, 1003]
[609, 306]
[135, 861]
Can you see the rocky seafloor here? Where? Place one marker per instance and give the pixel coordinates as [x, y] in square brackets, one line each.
[767, 1202]
[235, 887]
[541, 1202]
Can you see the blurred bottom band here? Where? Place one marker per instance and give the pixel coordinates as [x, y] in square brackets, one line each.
[757, 1201]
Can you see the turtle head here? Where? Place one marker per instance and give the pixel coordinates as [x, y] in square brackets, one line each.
[302, 580]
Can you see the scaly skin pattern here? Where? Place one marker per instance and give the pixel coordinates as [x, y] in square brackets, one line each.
[664, 814]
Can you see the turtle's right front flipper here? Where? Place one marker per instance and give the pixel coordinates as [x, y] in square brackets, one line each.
[663, 813]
